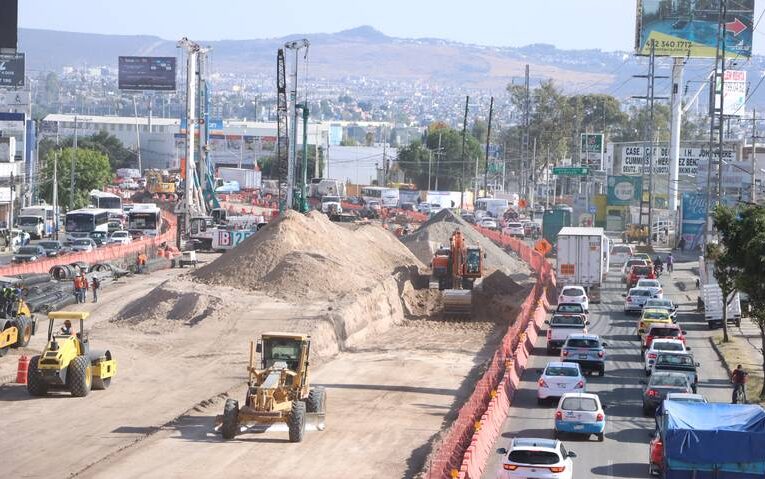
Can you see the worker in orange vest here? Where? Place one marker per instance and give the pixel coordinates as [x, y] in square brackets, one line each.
[77, 287]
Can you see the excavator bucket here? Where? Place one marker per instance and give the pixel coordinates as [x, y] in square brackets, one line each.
[458, 301]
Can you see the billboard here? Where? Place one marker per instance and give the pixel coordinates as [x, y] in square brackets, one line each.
[634, 156]
[694, 215]
[591, 151]
[12, 70]
[688, 28]
[146, 73]
[9, 18]
[734, 92]
[624, 190]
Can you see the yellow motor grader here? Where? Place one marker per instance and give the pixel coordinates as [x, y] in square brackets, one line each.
[278, 391]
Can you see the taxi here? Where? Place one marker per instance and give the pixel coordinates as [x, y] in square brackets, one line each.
[650, 317]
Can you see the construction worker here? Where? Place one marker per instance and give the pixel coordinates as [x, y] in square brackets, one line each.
[95, 284]
[84, 286]
[66, 329]
[77, 283]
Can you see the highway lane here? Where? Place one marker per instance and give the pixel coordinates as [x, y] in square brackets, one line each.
[624, 453]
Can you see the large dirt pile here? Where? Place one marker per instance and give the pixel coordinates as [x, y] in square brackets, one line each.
[307, 257]
[438, 230]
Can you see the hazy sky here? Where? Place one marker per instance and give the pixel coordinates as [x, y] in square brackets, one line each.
[604, 24]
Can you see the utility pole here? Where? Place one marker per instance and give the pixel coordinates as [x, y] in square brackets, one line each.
[532, 191]
[55, 194]
[650, 97]
[526, 128]
[10, 210]
[464, 139]
[753, 192]
[438, 158]
[137, 135]
[74, 161]
[488, 138]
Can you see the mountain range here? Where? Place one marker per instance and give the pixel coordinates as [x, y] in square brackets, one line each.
[364, 52]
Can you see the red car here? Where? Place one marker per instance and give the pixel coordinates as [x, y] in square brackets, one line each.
[663, 331]
[639, 272]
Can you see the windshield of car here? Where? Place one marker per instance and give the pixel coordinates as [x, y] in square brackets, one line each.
[641, 270]
[655, 315]
[514, 225]
[49, 244]
[640, 292]
[634, 262]
[676, 380]
[658, 303]
[524, 456]
[621, 250]
[667, 346]
[649, 283]
[28, 250]
[674, 360]
[570, 308]
[561, 371]
[331, 199]
[119, 234]
[82, 242]
[582, 343]
[664, 332]
[579, 404]
[573, 320]
[28, 220]
[572, 292]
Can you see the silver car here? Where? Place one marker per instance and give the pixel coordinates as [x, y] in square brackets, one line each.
[635, 300]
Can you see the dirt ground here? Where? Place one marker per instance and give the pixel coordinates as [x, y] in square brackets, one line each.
[180, 346]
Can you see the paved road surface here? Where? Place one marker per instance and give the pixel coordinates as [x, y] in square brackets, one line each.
[624, 453]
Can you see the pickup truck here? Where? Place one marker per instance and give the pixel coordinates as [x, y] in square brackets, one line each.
[708, 440]
[560, 326]
[679, 363]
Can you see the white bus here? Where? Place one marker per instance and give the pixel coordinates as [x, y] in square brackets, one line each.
[387, 197]
[39, 221]
[145, 218]
[494, 207]
[81, 223]
[106, 201]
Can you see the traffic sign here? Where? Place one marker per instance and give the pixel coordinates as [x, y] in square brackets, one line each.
[571, 170]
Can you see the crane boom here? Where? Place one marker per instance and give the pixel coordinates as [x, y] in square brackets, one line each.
[282, 142]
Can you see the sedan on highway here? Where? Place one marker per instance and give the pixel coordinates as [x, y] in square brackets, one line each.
[653, 285]
[489, 223]
[514, 229]
[649, 318]
[587, 350]
[29, 253]
[532, 458]
[620, 253]
[657, 346]
[574, 294]
[557, 379]
[628, 267]
[635, 299]
[661, 384]
[663, 303]
[120, 237]
[52, 248]
[580, 413]
[83, 245]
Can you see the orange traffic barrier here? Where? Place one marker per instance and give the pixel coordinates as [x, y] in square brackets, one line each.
[21, 374]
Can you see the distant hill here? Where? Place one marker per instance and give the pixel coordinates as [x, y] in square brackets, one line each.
[366, 52]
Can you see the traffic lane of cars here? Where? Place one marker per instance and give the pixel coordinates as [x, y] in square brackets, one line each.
[624, 452]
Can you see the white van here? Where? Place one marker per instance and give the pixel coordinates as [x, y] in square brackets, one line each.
[620, 253]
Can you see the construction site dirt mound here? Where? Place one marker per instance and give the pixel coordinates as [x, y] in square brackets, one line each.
[167, 308]
[307, 257]
[438, 231]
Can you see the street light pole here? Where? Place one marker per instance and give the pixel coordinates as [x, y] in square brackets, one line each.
[74, 160]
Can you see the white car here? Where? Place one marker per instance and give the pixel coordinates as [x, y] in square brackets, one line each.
[620, 253]
[658, 345]
[531, 458]
[514, 229]
[574, 294]
[490, 223]
[84, 245]
[636, 299]
[653, 285]
[580, 413]
[558, 378]
[120, 237]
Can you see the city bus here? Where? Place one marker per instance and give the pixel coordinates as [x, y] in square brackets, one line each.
[494, 207]
[106, 201]
[39, 221]
[387, 197]
[81, 223]
[145, 218]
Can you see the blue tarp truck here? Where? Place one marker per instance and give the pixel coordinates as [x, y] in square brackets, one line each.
[709, 441]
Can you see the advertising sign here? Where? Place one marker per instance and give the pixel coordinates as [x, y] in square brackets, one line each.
[734, 93]
[146, 73]
[694, 218]
[591, 151]
[12, 70]
[688, 28]
[633, 156]
[624, 190]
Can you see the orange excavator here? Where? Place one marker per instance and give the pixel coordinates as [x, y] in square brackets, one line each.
[455, 269]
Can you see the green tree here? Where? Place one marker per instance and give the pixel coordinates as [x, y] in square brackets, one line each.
[742, 234]
[91, 171]
[103, 142]
[421, 159]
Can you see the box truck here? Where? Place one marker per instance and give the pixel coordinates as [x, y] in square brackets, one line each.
[583, 257]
